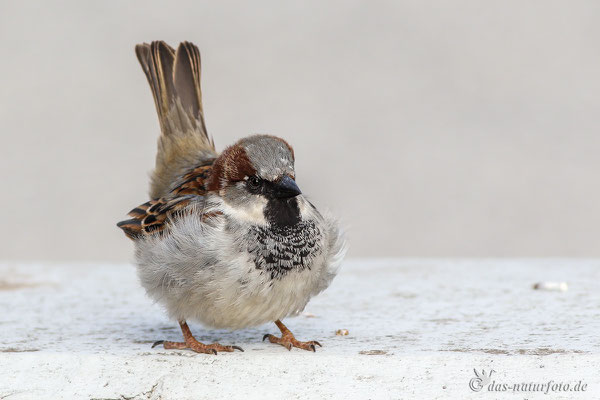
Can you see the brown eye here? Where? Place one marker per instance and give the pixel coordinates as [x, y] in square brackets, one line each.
[254, 182]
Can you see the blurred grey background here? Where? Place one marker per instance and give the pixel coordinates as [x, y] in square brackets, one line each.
[439, 128]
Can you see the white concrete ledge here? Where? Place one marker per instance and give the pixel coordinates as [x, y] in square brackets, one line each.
[417, 329]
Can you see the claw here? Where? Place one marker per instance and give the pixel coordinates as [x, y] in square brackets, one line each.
[288, 340]
[191, 343]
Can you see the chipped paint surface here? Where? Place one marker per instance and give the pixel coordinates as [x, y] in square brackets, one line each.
[417, 329]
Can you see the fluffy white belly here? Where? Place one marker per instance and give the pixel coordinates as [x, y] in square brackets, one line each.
[235, 297]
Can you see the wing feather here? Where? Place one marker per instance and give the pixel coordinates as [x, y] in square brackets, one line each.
[154, 216]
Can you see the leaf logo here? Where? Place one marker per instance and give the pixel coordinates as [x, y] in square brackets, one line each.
[481, 380]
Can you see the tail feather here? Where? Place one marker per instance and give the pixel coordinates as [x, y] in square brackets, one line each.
[156, 60]
[174, 78]
[186, 77]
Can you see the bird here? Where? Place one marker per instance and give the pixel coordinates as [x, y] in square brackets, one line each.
[227, 239]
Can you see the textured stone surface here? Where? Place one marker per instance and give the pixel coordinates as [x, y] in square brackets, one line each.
[417, 329]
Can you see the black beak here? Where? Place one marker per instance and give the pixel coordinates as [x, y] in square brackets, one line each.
[286, 188]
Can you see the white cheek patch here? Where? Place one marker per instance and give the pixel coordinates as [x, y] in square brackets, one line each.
[251, 212]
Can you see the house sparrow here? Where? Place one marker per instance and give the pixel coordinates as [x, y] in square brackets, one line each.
[227, 239]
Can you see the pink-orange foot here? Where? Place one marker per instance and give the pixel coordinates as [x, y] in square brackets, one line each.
[192, 344]
[288, 340]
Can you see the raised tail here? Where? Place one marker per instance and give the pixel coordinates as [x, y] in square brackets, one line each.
[174, 78]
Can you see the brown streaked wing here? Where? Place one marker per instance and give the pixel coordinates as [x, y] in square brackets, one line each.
[194, 181]
[152, 217]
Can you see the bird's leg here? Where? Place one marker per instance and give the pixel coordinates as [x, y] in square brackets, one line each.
[193, 344]
[288, 340]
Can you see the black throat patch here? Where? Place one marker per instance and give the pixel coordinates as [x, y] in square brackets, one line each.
[282, 212]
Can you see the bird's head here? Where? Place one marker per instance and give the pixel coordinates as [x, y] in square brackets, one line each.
[256, 180]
